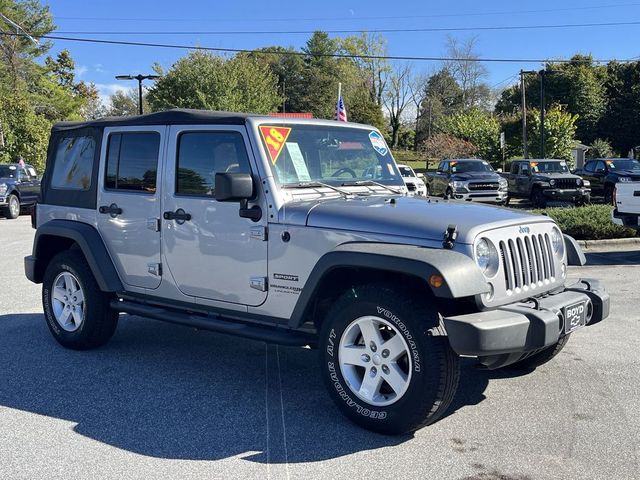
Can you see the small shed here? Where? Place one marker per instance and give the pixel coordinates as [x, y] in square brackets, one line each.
[578, 153]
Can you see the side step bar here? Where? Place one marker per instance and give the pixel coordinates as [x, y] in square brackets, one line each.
[280, 336]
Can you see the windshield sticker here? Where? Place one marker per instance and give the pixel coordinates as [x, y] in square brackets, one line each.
[274, 138]
[378, 143]
[298, 162]
[12, 167]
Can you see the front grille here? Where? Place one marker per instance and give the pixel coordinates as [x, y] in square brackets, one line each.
[527, 262]
[483, 186]
[566, 183]
[411, 187]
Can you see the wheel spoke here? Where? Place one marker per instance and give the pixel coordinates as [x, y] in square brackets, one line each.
[396, 378]
[59, 294]
[65, 316]
[79, 296]
[77, 316]
[396, 347]
[370, 332]
[352, 355]
[68, 283]
[370, 385]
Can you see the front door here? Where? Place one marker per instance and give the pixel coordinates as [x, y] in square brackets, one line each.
[209, 249]
[129, 204]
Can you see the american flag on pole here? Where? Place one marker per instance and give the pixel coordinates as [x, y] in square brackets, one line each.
[341, 112]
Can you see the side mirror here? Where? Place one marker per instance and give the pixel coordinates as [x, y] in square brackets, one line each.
[499, 170]
[238, 187]
[420, 175]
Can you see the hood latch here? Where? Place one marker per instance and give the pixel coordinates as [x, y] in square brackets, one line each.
[450, 236]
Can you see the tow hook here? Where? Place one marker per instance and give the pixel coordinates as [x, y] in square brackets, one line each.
[450, 236]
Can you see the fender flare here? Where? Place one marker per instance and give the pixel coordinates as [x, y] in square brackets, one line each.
[462, 277]
[91, 245]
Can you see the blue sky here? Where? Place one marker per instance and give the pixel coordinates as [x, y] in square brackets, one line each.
[100, 63]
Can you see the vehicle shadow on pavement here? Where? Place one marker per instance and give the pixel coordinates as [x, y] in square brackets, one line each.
[630, 257]
[170, 392]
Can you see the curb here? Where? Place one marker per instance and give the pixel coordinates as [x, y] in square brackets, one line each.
[609, 244]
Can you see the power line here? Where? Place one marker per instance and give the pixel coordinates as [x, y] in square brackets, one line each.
[352, 18]
[511, 77]
[302, 54]
[381, 30]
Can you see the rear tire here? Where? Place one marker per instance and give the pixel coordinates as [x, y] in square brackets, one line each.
[608, 194]
[386, 360]
[533, 361]
[76, 310]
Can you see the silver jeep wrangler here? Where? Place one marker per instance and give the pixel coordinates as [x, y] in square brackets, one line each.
[274, 229]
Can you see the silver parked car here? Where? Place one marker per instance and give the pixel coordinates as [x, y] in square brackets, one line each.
[299, 232]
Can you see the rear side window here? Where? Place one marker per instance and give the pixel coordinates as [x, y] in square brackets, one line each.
[73, 164]
[132, 161]
[203, 154]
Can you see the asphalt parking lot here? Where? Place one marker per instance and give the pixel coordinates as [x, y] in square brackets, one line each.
[162, 401]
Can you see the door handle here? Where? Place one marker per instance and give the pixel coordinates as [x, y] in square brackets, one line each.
[113, 210]
[179, 216]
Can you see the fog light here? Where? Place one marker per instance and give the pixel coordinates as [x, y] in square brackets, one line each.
[489, 295]
[436, 281]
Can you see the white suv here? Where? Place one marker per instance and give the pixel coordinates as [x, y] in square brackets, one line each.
[414, 183]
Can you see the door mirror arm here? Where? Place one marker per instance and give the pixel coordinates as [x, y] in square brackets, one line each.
[254, 213]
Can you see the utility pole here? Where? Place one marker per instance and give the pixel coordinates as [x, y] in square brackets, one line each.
[542, 77]
[139, 78]
[525, 144]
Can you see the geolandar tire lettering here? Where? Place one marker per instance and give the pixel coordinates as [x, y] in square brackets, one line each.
[386, 361]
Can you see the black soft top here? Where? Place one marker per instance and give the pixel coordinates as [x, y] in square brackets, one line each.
[169, 117]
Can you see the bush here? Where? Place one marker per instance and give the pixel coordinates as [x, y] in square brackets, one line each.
[592, 222]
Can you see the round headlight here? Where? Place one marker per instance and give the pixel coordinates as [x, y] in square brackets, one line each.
[3, 187]
[579, 182]
[557, 242]
[552, 182]
[486, 257]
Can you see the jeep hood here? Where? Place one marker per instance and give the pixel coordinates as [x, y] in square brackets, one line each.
[417, 217]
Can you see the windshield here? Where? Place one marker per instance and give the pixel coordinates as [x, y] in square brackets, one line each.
[8, 171]
[549, 167]
[406, 171]
[464, 167]
[624, 164]
[301, 154]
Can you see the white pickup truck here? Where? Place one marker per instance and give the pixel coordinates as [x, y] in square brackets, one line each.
[627, 203]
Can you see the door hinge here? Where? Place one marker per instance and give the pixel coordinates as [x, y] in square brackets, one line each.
[155, 269]
[258, 283]
[259, 233]
[153, 224]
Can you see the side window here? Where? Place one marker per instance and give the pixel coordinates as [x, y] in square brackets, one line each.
[600, 167]
[589, 167]
[514, 167]
[524, 169]
[73, 163]
[32, 172]
[203, 154]
[444, 167]
[132, 161]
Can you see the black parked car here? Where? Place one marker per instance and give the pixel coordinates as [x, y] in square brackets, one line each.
[604, 173]
[19, 188]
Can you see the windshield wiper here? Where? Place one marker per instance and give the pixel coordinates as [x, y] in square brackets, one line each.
[368, 183]
[317, 185]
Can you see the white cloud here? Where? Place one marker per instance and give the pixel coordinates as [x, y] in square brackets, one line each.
[81, 70]
[105, 90]
[99, 68]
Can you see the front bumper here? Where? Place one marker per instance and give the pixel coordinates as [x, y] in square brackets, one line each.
[502, 335]
[567, 194]
[481, 195]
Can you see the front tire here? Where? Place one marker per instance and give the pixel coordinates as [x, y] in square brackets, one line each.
[608, 194]
[448, 194]
[12, 210]
[386, 360]
[538, 199]
[76, 310]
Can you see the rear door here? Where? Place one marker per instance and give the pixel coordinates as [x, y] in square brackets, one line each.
[523, 179]
[129, 203]
[28, 184]
[441, 180]
[212, 252]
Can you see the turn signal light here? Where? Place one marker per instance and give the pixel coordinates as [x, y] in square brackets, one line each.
[436, 281]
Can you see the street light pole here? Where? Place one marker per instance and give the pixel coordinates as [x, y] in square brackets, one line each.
[525, 146]
[139, 78]
[542, 77]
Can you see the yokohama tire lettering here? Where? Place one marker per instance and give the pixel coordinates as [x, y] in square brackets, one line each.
[407, 335]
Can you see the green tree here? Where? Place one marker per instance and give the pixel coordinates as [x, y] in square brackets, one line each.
[441, 145]
[288, 68]
[478, 128]
[600, 149]
[560, 131]
[368, 49]
[205, 81]
[621, 122]
[442, 96]
[125, 103]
